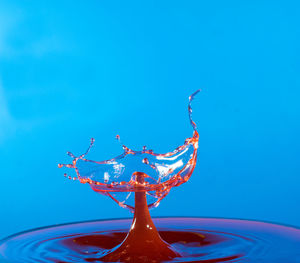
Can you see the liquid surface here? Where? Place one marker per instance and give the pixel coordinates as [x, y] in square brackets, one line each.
[116, 177]
[197, 239]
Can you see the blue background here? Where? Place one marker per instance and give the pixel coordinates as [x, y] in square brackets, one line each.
[74, 70]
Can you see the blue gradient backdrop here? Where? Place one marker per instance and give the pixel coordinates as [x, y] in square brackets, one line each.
[72, 70]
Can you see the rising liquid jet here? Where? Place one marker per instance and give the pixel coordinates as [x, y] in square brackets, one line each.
[143, 173]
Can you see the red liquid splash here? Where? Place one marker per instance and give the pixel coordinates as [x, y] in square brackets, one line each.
[174, 239]
[117, 175]
[142, 172]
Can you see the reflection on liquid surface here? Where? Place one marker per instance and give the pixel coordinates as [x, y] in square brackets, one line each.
[197, 240]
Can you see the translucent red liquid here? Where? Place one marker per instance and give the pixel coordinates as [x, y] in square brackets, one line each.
[115, 177]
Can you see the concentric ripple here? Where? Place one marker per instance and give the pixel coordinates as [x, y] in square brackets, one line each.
[196, 239]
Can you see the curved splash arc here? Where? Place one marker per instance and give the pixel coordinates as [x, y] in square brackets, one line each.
[161, 171]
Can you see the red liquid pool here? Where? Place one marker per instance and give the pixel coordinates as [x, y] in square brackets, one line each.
[196, 239]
